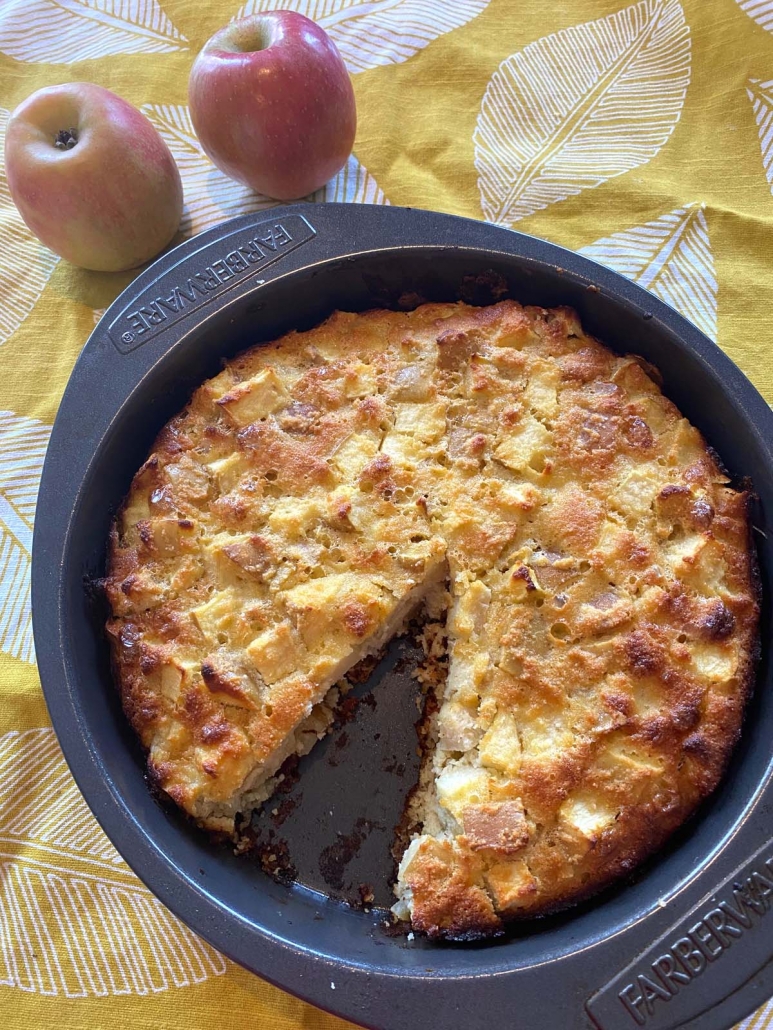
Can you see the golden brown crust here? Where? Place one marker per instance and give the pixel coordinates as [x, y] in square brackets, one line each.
[602, 631]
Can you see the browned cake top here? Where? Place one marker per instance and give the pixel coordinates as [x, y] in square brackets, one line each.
[602, 616]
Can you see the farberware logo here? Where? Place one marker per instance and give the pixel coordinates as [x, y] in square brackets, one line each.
[198, 278]
[702, 943]
[648, 991]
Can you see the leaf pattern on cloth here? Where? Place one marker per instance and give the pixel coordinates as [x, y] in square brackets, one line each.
[74, 920]
[65, 31]
[211, 197]
[370, 33]
[579, 107]
[18, 249]
[352, 185]
[670, 256]
[23, 443]
[761, 96]
[760, 10]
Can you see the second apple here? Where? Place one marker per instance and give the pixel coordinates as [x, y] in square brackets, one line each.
[272, 104]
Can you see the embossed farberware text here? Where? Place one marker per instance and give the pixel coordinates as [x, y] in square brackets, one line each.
[206, 274]
[644, 994]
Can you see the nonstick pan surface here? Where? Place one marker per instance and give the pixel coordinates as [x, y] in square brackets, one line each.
[687, 942]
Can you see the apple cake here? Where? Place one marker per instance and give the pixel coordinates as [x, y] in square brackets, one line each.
[593, 560]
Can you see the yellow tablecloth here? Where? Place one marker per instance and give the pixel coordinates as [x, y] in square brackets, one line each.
[641, 135]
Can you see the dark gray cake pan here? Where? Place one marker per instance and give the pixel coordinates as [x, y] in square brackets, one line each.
[687, 942]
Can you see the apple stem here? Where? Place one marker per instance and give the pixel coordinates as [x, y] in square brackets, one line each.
[66, 139]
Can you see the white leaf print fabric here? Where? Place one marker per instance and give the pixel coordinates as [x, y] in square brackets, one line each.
[761, 96]
[23, 443]
[579, 107]
[760, 10]
[671, 256]
[18, 249]
[353, 185]
[63, 31]
[74, 920]
[370, 33]
[211, 197]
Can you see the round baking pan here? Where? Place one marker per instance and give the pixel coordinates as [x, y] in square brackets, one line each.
[687, 942]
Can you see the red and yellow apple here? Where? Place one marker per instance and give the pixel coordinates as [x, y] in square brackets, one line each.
[272, 104]
[91, 177]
